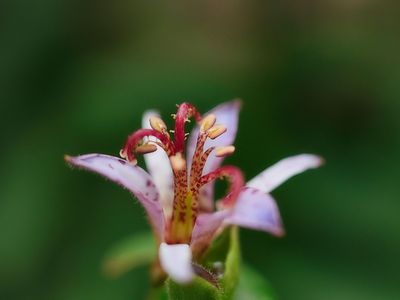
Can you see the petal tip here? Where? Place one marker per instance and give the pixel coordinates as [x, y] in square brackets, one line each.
[234, 103]
[70, 160]
[321, 161]
[280, 233]
[315, 161]
[151, 112]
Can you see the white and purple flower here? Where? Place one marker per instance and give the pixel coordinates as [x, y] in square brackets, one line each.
[177, 189]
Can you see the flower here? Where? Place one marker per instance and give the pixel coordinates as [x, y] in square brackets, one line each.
[177, 190]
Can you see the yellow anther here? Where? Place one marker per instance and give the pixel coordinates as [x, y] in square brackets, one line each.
[216, 131]
[178, 163]
[157, 124]
[146, 148]
[173, 116]
[224, 151]
[207, 122]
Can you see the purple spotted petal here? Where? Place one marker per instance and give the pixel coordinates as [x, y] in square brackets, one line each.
[205, 228]
[256, 210]
[227, 114]
[283, 170]
[133, 178]
[159, 167]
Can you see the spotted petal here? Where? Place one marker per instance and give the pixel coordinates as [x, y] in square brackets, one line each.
[133, 178]
[176, 261]
[159, 167]
[256, 210]
[283, 170]
[205, 228]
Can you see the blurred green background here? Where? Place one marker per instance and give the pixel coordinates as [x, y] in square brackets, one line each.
[315, 76]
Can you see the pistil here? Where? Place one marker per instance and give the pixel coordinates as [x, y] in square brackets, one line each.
[184, 113]
[185, 203]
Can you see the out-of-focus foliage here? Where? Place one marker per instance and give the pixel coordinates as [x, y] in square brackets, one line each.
[132, 252]
[252, 286]
[314, 76]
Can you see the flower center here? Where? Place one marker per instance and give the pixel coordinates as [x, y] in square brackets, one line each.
[186, 186]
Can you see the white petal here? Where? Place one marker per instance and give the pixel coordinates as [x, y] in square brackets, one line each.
[256, 210]
[283, 170]
[133, 178]
[176, 261]
[159, 167]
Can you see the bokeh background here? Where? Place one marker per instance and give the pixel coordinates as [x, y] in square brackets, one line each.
[315, 76]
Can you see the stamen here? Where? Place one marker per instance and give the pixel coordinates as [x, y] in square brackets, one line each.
[135, 138]
[216, 131]
[236, 180]
[146, 148]
[198, 160]
[206, 154]
[207, 122]
[207, 129]
[224, 151]
[157, 124]
[197, 170]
